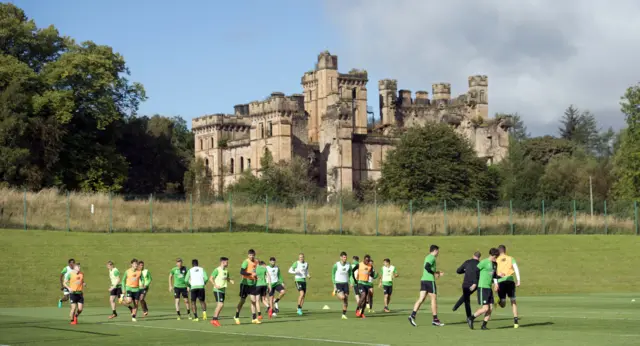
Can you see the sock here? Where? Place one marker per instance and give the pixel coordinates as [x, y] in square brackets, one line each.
[435, 317]
[413, 314]
[277, 300]
[260, 313]
[484, 323]
[215, 318]
[268, 308]
[237, 314]
[299, 307]
[133, 315]
[178, 312]
[195, 314]
[515, 320]
[78, 313]
[344, 312]
[253, 316]
[386, 307]
[188, 312]
[115, 313]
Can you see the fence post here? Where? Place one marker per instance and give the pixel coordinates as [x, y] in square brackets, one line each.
[411, 217]
[340, 211]
[375, 201]
[266, 200]
[68, 213]
[191, 212]
[151, 212]
[544, 229]
[446, 230]
[110, 213]
[304, 214]
[606, 227]
[575, 218]
[230, 212]
[478, 206]
[635, 213]
[24, 207]
[511, 216]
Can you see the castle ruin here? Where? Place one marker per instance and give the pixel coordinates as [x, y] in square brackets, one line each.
[328, 125]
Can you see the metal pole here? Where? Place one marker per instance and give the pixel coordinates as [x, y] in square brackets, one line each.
[110, 213]
[478, 206]
[446, 230]
[191, 212]
[340, 213]
[267, 211]
[230, 212]
[151, 212]
[304, 214]
[544, 230]
[24, 207]
[411, 217]
[606, 227]
[68, 213]
[575, 218]
[591, 196]
[375, 201]
[635, 213]
[511, 216]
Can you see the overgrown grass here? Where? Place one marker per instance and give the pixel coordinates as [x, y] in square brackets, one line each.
[50, 209]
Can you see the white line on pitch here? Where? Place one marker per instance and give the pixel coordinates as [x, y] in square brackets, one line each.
[252, 335]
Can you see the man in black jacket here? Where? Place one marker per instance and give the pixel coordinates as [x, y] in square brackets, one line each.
[470, 282]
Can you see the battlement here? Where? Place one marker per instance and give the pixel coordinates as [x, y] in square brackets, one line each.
[241, 110]
[405, 97]
[441, 88]
[388, 84]
[277, 102]
[219, 119]
[478, 80]
[422, 98]
[326, 61]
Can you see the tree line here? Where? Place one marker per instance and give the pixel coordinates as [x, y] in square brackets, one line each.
[68, 119]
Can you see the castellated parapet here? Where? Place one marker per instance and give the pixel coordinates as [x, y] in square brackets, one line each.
[327, 124]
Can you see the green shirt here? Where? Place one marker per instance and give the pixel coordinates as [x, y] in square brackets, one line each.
[261, 273]
[178, 277]
[388, 274]
[114, 276]
[275, 275]
[426, 276]
[354, 265]
[220, 277]
[487, 272]
[248, 282]
[145, 278]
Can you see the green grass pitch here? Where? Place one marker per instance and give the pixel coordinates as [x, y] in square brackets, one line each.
[576, 290]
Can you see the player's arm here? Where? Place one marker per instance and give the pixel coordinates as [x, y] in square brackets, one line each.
[333, 274]
[116, 273]
[205, 277]
[187, 279]
[353, 273]
[495, 277]
[148, 282]
[65, 281]
[170, 281]
[124, 281]
[280, 279]
[461, 269]
[292, 269]
[306, 273]
[515, 268]
[243, 269]
[395, 273]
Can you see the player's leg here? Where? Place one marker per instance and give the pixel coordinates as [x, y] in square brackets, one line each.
[281, 294]
[370, 299]
[364, 293]
[416, 307]
[243, 298]
[502, 293]
[143, 302]
[203, 303]
[460, 301]
[466, 295]
[192, 303]
[113, 295]
[219, 296]
[255, 307]
[356, 294]
[72, 312]
[65, 296]
[302, 292]
[185, 297]
[514, 305]
[79, 307]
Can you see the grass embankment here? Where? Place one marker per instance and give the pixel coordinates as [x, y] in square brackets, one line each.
[554, 264]
[49, 209]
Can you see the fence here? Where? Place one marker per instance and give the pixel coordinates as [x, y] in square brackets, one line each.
[52, 210]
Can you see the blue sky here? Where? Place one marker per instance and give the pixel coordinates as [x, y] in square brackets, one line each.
[200, 57]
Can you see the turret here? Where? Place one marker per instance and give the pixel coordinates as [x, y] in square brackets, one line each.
[388, 89]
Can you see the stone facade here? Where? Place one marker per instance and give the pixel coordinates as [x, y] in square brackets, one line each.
[328, 125]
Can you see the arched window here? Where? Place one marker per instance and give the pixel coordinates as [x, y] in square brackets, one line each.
[231, 169]
[483, 97]
[201, 144]
[241, 164]
[249, 164]
[211, 146]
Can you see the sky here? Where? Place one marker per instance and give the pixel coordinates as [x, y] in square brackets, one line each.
[203, 57]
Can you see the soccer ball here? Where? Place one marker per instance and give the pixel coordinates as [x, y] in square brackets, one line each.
[274, 314]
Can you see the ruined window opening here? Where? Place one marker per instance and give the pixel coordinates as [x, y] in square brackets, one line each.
[241, 164]
[231, 169]
[270, 130]
[211, 142]
[249, 164]
[369, 160]
[201, 144]
[482, 96]
[261, 130]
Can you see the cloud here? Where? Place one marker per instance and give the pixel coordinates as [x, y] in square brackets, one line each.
[540, 55]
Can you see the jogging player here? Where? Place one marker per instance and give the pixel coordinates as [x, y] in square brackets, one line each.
[277, 285]
[361, 275]
[374, 275]
[354, 283]
[145, 282]
[115, 288]
[131, 280]
[469, 283]
[487, 269]
[196, 279]
[178, 286]
[65, 292]
[340, 275]
[74, 282]
[219, 279]
[300, 270]
[263, 286]
[428, 287]
[507, 284]
[389, 273]
[248, 287]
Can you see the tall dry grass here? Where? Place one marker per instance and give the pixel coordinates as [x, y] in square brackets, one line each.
[50, 209]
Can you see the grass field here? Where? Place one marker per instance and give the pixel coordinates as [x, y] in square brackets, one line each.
[49, 209]
[575, 290]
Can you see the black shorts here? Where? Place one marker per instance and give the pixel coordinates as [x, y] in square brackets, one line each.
[485, 296]
[342, 288]
[507, 288]
[261, 291]
[219, 296]
[197, 293]
[144, 290]
[247, 290]
[278, 288]
[76, 298]
[428, 286]
[356, 290]
[301, 286]
[133, 295]
[116, 291]
[387, 289]
[180, 291]
[363, 289]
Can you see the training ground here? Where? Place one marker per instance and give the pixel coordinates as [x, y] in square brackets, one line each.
[576, 290]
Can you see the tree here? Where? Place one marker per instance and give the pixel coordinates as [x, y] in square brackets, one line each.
[518, 131]
[434, 162]
[570, 123]
[627, 157]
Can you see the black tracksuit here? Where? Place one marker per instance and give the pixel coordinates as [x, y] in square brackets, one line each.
[471, 275]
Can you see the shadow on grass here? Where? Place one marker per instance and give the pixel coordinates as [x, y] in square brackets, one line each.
[538, 324]
[73, 331]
